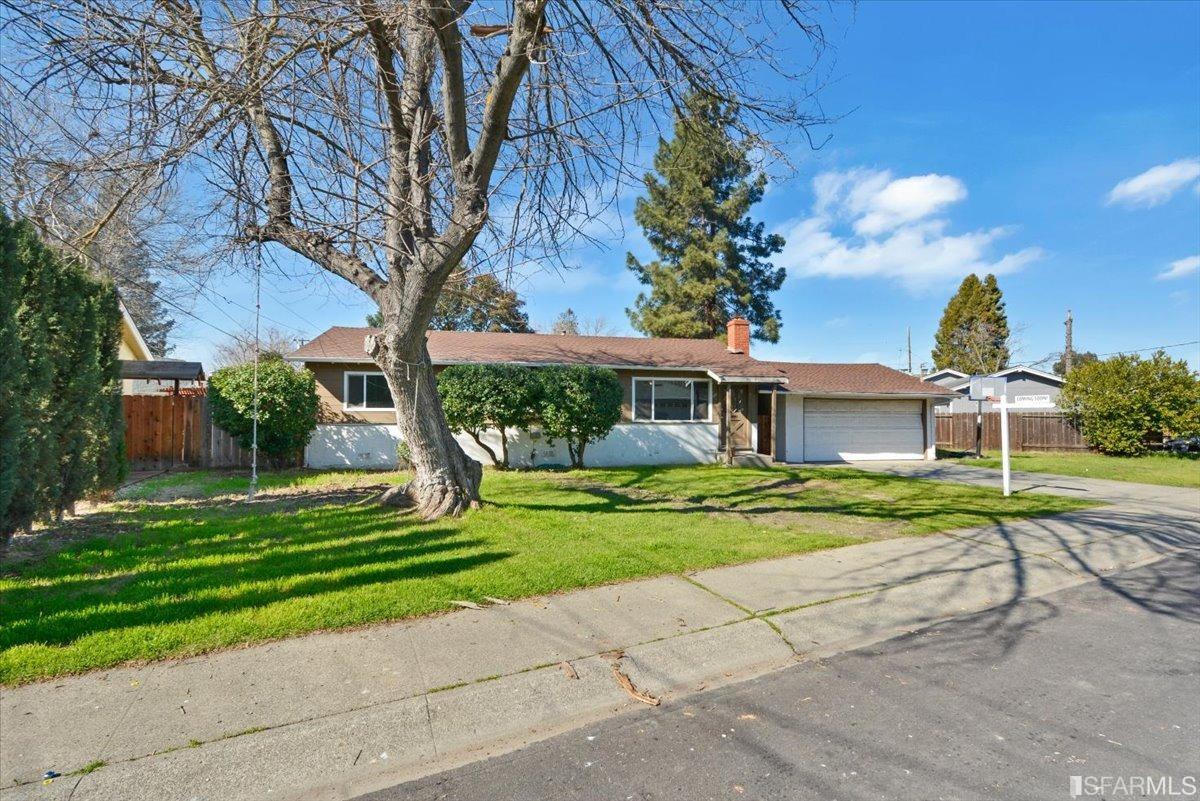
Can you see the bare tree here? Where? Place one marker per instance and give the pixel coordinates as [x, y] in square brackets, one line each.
[388, 142]
[239, 348]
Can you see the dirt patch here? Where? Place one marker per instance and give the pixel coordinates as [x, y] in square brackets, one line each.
[819, 523]
[109, 520]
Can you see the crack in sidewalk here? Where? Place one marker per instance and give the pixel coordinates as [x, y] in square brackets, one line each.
[750, 613]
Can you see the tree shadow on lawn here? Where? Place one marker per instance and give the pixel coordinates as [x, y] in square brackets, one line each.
[951, 512]
[180, 568]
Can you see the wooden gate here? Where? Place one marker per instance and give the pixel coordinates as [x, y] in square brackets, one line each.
[1028, 431]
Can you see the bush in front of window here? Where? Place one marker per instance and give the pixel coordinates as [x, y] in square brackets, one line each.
[287, 407]
[477, 397]
[579, 404]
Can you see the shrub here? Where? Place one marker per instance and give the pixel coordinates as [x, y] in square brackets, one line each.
[476, 397]
[579, 404]
[1125, 402]
[287, 406]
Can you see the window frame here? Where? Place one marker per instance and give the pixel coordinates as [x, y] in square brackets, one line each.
[633, 414]
[346, 375]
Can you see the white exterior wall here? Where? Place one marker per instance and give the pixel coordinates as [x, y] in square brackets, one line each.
[930, 431]
[374, 446]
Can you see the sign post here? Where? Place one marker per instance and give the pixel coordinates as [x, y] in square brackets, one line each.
[1019, 402]
[1006, 469]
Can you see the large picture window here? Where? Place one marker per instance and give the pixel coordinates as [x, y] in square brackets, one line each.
[367, 391]
[672, 399]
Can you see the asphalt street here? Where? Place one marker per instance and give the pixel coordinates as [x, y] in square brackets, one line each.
[1099, 680]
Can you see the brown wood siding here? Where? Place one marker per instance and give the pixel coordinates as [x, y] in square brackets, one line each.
[330, 387]
[330, 384]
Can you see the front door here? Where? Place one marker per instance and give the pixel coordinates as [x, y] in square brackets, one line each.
[739, 423]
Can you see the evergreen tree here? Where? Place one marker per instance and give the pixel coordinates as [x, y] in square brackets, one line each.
[973, 336]
[12, 374]
[567, 324]
[62, 431]
[481, 303]
[713, 259]
[1079, 358]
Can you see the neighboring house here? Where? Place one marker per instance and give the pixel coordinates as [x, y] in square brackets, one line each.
[946, 378]
[1019, 380]
[132, 347]
[684, 400]
[142, 374]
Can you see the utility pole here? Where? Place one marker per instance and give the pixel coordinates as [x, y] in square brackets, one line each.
[910, 350]
[1069, 348]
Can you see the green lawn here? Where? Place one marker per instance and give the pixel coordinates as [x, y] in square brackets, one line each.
[1154, 468]
[184, 566]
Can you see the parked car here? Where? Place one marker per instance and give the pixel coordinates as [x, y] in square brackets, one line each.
[1183, 445]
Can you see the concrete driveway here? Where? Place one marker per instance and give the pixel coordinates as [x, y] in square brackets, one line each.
[1179, 499]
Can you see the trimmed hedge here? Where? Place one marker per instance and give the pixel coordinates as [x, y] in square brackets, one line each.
[61, 421]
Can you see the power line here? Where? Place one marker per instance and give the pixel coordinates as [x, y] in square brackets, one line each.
[1156, 347]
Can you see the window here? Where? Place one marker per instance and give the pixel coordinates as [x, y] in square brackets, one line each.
[367, 391]
[671, 399]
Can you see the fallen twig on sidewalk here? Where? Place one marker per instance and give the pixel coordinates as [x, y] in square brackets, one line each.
[624, 681]
[467, 604]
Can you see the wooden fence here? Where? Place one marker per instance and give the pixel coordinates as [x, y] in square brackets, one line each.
[1028, 431]
[163, 431]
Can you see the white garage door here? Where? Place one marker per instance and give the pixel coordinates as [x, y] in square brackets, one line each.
[841, 429]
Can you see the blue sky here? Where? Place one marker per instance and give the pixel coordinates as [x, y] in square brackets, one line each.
[1056, 144]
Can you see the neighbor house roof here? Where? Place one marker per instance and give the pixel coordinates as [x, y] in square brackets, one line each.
[944, 373]
[341, 344]
[1021, 368]
[132, 337]
[854, 379]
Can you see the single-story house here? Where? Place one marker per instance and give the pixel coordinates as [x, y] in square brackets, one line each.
[1019, 380]
[143, 374]
[684, 401]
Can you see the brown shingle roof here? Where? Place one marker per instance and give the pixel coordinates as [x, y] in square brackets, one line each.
[470, 347]
[809, 378]
[458, 347]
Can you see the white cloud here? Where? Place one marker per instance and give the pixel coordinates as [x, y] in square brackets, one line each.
[1156, 185]
[838, 322]
[1180, 268]
[894, 231]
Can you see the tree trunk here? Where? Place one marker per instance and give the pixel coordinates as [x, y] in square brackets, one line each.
[479, 441]
[447, 480]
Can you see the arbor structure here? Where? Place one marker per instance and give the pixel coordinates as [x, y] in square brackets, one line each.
[973, 336]
[391, 143]
[714, 261]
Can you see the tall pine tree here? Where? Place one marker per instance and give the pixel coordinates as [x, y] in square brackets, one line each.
[973, 336]
[713, 259]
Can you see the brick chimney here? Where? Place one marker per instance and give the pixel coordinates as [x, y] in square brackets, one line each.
[738, 330]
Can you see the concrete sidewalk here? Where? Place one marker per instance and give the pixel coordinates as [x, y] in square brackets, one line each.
[331, 715]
